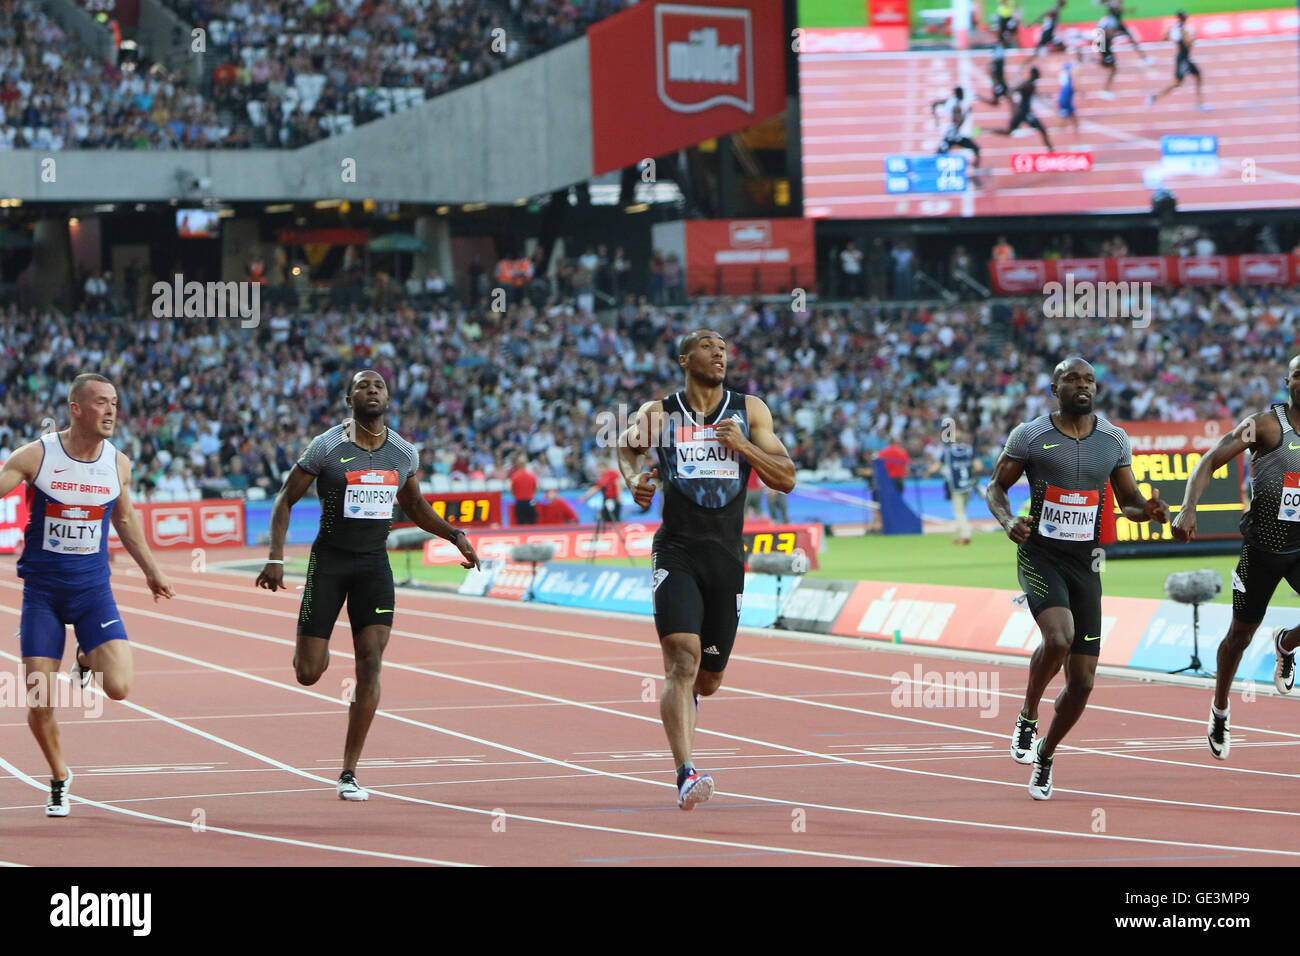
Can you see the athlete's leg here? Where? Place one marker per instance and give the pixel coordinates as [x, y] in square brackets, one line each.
[1080, 670]
[113, 663]
[1057, 626]
[369, 644]
[39, 675]
[311, 655]
[676, 704]
[1230, 650]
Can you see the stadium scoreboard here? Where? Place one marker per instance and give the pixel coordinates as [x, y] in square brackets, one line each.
[1164, 456]
[461, 509]
[925, 174]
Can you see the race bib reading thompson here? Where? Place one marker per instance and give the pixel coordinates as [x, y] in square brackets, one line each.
[73, 529]
[1288, 508]
[370, 494]
[1069, 515]
[701, 455]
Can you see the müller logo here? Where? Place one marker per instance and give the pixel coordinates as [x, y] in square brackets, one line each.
[704, 57]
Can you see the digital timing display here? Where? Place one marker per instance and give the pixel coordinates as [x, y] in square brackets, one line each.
[780, 541]
[469, 509]
[1218, 513]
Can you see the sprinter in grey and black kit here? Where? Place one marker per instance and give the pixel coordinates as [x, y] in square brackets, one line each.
[1068, 456]
[706, 441]
[1270, 547]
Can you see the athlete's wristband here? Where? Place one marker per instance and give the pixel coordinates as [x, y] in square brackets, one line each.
[460, 533]
[273, 561]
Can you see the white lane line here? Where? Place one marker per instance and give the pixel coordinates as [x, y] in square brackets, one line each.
[189, 825]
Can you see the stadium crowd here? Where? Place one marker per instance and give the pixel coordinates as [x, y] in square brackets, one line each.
[211, 408]
[287, 73]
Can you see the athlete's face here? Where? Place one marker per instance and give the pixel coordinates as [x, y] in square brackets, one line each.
[1293, 382]
[1076, 389]
[707, 361]
[369, 396]
[95, 409]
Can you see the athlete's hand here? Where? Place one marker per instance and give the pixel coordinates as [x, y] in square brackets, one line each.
[643, 492]
[467, 549]
[272, 578]
[1184, 526]
[1156, 509]
[159, 585]
[1020, 529]
[730, 434]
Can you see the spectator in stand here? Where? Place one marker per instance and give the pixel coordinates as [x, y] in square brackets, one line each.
[555, 510]
[903, 262]
[523, 485]
[674, 281]
[754, 496]
[897, 461]
[777, 506]
[1205, 245]
[850, 271]
[1002, 251]
[657, 278]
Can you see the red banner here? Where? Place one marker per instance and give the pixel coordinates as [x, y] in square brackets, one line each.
[636, 542]
[665, 76]
[13, 519]
[743, 256]
[188, 524]
[888, 13]
[1019, 276]
[851, 40]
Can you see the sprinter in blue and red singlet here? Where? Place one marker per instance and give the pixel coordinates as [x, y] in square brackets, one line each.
[707, 440]
[77, 482]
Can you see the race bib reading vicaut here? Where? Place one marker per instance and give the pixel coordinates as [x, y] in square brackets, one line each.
[1288, 508]
[1069, 515]
[370, 494]
[701, 455]
[73, 529]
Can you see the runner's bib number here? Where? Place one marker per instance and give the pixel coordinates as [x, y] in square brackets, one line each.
[1288, 508]
[1069, 515]
[73, 529]
[370, 494]
[701, 455]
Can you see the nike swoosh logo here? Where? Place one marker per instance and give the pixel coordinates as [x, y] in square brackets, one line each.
[1291, 446]
[380, 610]
[346, 460]
[106, 623]
[1097, 638]
[59, 471]
[1052, 445]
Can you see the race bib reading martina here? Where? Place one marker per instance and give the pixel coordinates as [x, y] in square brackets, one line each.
[1288, 508]
[701, 455]
[1069, 515]
[370, 494]
[73, 529]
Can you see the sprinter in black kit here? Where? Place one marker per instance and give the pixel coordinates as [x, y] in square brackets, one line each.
[361, 469]
[1068, 456]
[706, 441]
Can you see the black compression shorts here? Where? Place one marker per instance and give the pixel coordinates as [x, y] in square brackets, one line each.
[363, 578]
[1051, 580]
[1025, 117]
[1183, 67]
[1257, 576]
[699, 592]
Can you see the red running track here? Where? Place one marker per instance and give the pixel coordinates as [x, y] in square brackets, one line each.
[523, 735]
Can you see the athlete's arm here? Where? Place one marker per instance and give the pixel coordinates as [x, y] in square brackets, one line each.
[762, 449]
[1129, 498]
[1006, 473]
[639, 438]
[21, 466]
[1259, 428]
[418, 510]
[295, 486]
[127, 523]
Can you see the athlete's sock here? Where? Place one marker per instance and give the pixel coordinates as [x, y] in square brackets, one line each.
[1221, 713]
[1281, 636]
[1026, 719]
[684, 771]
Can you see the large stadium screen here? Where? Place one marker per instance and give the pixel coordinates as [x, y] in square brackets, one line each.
[873, 146]
[1164, 456]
